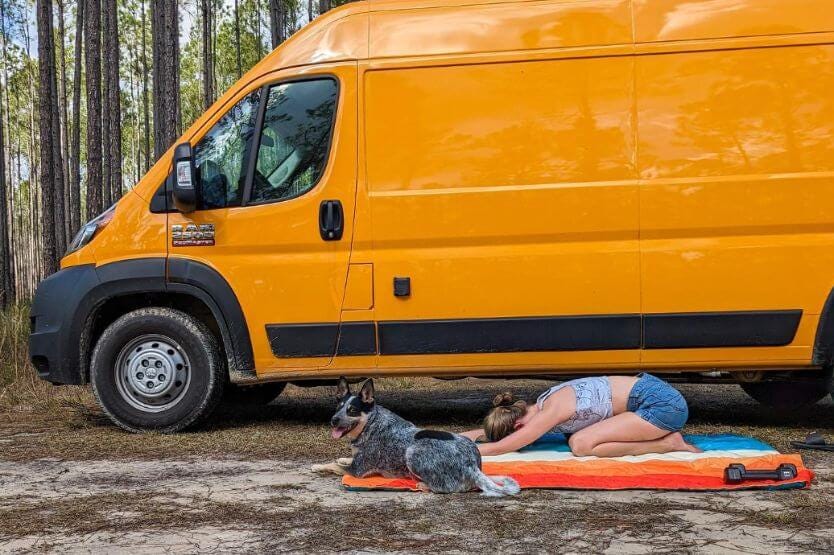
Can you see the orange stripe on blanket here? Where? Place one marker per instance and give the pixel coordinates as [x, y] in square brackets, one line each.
[613, 467]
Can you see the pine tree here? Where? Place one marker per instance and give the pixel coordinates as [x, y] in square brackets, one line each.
[146, 121]
[238, 54]
[277, 21]
[6, 288]
[112, 111]
[166, 109]
[50, 141]
[64, 117]
[207, 15]
[74, 214]
[7, 262]
[92, 57]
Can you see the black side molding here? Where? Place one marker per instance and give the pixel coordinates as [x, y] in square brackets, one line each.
[765, 328]
[319, 340]
[510, 335]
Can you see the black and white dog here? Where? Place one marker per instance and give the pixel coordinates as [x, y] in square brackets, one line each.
[385, 444]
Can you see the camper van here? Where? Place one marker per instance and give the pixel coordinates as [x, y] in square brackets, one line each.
[492, 189]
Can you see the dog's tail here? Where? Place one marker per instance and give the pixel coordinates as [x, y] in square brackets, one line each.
[496, 486]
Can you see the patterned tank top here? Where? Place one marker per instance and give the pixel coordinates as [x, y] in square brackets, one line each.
[593, 403]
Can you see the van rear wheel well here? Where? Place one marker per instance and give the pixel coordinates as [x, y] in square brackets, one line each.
[111, 309]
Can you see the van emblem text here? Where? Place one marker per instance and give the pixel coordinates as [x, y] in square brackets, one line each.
[192, 235]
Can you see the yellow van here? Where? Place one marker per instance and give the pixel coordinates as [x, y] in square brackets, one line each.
[500, 188]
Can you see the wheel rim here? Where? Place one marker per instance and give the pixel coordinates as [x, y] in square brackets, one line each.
[152, 373]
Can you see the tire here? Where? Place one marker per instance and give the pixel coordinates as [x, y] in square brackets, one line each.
[789, 394]
[157, 369]
[253, 395]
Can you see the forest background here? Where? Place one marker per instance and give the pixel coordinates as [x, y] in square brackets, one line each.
[92, 92]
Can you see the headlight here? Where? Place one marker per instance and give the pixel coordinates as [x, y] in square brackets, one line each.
[91, 229]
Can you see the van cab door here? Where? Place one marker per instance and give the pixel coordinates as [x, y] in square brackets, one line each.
[277, 175]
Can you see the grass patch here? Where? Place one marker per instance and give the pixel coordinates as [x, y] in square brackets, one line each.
[16, 374]
[20, 387]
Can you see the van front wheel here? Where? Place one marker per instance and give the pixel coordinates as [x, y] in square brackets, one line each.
[157, 369]
[789, 394]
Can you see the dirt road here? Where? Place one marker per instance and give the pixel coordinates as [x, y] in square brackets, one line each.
[70, 481]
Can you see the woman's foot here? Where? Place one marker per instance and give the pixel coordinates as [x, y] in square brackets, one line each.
[675, 442]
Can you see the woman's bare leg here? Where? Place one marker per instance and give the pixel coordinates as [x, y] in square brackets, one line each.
[626, 434]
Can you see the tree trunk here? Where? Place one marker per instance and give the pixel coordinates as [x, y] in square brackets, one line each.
[146, 127]
[113, 137]
[237, 41]
[64, 114]
[7, 257]
[309, 10]
[277, 22]
[34, 224]
[324, 6]
[6, 288]
[92, 57]
[74, 215]
[208, 53]
[106, 174]
[165, 33]
[58, 188]
[256, 16]
[50, 140]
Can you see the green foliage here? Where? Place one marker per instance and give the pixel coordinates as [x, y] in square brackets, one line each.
[14, 359]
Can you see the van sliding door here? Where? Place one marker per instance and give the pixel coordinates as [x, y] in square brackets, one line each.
[505, 207]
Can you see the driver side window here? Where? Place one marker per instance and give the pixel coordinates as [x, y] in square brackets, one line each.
[221, 156]
[294, 144]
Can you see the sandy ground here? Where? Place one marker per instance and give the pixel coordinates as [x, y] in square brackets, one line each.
[71, 482]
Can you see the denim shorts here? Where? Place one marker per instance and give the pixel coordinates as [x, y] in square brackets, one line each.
[658, 403]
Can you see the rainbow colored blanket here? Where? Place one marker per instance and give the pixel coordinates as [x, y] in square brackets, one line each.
[549, 464]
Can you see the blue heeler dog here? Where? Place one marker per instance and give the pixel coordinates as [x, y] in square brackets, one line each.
[385, 444]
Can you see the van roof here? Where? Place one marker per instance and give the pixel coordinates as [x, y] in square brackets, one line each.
[407, 28]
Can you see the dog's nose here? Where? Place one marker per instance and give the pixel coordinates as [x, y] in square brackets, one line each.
[334, 422]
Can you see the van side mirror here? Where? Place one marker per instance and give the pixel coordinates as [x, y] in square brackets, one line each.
[184, 186]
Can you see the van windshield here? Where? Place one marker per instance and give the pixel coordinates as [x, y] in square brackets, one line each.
[221, 157]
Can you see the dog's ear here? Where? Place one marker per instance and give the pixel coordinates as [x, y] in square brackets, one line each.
[342, 388]
[367, 392]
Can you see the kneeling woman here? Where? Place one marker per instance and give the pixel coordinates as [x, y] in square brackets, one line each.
[606, 416]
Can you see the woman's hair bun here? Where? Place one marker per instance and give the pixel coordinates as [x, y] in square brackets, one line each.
[503, 399]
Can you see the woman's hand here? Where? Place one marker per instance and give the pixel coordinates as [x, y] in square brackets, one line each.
[474, 435]
[487, 449]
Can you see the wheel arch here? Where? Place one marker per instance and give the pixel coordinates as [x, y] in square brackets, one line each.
[823, 354]
[186, 285]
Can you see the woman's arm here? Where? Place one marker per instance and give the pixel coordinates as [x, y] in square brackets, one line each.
[543, 422]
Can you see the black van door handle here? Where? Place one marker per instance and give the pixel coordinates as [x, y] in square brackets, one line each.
[331, 220]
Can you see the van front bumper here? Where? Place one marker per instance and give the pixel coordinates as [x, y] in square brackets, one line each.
[55, 338]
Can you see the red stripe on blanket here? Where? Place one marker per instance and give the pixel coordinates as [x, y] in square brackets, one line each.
[557, 478]
[570, 481]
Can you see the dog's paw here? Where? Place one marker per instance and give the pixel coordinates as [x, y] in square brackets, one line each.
[320, 468]
[344, 461]
[422, 486]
